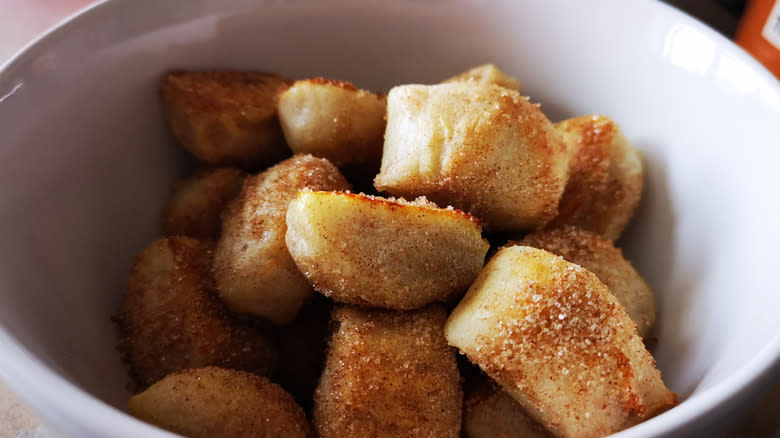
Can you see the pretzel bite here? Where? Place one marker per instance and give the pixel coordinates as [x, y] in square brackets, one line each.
[213, 402]
[252, 267]
[598, 255]
[388, 374]
[487, 74]
[481, 148]
[225, 118]
[550, 333]
[171, 319]
[606, 177]
[360, 249]
[590, 142]
[198, 200]
[334, 120]
[489, 412]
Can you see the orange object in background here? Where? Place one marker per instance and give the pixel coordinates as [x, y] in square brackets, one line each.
[759, 33]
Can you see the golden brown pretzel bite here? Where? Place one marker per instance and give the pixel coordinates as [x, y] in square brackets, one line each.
[394, 254]
[252, 267]
[606, 177]
[388, 374]
[198, 200]
[598, 255]
[334, 120]
[171, 318]
[552, 335]
[225, 118]
[482, 148]
[214, 402]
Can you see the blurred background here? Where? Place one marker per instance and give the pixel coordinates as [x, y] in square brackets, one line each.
[22, 20]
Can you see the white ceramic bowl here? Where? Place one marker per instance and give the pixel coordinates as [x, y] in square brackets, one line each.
[85, 167]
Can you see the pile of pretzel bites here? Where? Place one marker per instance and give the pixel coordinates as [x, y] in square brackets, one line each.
[432, 262]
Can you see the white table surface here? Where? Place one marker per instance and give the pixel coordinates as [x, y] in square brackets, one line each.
[22, 20]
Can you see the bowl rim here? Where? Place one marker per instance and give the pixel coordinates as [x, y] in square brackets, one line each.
[43, 389]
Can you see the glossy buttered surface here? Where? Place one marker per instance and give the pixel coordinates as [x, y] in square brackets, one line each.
[85, 166]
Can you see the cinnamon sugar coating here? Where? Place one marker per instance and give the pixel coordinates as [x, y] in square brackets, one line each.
[171, 318]
[479, 147]
[598, 255]
[388, 253]
[225, 118]
[252, 267]
[388, 374]
[213, 402]
[334, 120]
[554, 337]
[606, 177]
[198, 200]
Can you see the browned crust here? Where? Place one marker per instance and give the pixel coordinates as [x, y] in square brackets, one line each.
[288, 177]
[298, 172]
[198, 200]
[550, 334]
[394, 254]
[559, 343]
[255, 220]
[605, 181]
[420, 202]
[590, 141]
[171, 318]
[213, 402]
[493, 153]
[598, 255]
[347, 126]
[617, 204]
[206, 91]
[388, 374]
[225, 118]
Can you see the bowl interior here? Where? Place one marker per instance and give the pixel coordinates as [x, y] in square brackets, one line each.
[86, 163]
